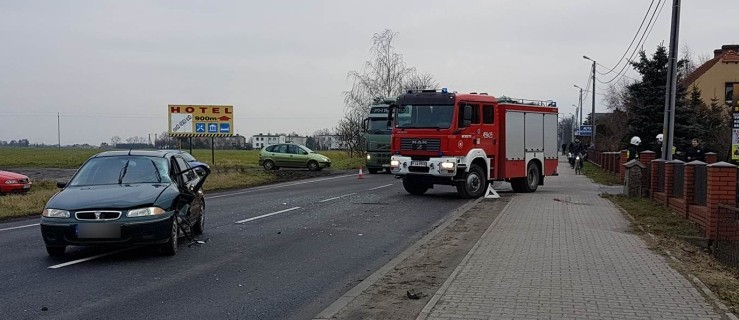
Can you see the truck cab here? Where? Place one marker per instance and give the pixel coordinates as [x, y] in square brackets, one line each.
[377, 136]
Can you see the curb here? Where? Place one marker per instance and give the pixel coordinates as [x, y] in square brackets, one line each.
[426, 311]
[715, 300]
[357, 290]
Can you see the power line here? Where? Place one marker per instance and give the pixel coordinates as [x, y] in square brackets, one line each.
[646, 14]
[653, 18]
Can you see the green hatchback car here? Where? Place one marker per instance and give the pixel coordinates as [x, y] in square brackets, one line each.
[290, 155]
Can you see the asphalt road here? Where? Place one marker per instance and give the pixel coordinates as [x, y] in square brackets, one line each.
[283, 251]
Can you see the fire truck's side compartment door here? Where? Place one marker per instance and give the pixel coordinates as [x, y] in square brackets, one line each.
[514, 136]
[534, 132]
[550, 136]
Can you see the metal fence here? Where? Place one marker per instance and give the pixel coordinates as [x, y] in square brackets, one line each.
[726, 246]
[678, 180]
[661, 177]
[700, 185]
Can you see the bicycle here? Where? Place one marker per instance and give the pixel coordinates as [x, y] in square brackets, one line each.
[578, 164]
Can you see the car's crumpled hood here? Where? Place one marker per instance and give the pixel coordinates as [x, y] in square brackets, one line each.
[123, 196]
[11, 175]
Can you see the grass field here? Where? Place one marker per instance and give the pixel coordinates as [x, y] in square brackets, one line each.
[73, 158]
[233, 169]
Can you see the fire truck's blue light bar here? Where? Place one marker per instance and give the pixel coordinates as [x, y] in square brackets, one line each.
[444, 90]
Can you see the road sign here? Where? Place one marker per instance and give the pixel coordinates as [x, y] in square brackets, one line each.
[200, 120]
[586, 131]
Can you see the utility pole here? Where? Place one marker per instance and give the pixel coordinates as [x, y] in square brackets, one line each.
[669, 122]
[579, 105]
[592, 114]
[58, 131]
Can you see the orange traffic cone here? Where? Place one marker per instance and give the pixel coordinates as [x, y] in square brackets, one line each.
[360, 176]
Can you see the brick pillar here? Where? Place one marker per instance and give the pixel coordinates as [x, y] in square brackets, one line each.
[711, 157]
[653, 176]
[646, 158]
[622, 159]
[721, 190]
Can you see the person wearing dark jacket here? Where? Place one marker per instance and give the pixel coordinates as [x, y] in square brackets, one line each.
[575, 148]
[633, 150]
[695, 152]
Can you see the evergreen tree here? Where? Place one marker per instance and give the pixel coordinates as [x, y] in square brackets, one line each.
[645, 103]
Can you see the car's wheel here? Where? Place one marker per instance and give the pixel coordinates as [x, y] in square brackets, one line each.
[474, 183]
[313, 166]
[268, 165]
[56, 251]
[414, 187]
[531, 183]
[372, 170]
[170, 247]
[199, 225]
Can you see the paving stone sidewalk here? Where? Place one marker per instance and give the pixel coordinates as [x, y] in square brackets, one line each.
[565, 253]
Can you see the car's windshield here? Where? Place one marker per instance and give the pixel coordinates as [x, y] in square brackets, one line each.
[122, 170]
[378, 126]
[424, 116]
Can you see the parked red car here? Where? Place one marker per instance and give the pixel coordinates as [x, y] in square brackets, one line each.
[11, 182]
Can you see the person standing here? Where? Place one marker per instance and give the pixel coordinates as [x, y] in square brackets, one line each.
[564, 149]
[695, 152]
[633, 150]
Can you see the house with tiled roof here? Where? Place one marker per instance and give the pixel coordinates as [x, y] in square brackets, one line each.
[718, 78]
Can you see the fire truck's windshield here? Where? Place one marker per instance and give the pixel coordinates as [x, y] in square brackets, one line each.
[424, 116]
[378, 126]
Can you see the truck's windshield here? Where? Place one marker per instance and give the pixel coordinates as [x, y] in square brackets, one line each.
[424, 116]
[378, 126]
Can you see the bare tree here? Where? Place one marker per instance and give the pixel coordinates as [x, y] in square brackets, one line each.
[384, 75]
[349, 130]
[115, 140]
[322, 132]
[421, 81]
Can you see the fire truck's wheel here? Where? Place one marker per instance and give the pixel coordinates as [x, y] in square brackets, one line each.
[413, 186]
[473, 185]
[372, 170]
[269, 165]
[532, 178]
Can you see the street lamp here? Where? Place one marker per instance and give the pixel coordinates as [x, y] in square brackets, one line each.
[592, 114]
[580, 103]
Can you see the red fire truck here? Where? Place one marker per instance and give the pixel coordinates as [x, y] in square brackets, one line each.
[471, 140]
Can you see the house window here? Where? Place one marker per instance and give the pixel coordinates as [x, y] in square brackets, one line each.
[729, 98]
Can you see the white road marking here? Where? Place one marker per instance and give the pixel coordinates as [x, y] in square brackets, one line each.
[267, 215]
[334, 198]
[276, 187]
[91, 258]
[13, 228]
[380, 187]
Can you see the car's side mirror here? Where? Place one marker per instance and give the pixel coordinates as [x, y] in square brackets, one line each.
[61, 184]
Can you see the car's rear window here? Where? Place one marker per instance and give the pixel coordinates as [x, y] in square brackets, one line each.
[123, 170]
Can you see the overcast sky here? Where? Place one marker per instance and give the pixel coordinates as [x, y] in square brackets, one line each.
[110, 68]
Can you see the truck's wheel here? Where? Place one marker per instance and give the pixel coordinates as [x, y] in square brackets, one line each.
[474, 183]
[516, 184]
[413, 187]
[531, 182]
[372, 170]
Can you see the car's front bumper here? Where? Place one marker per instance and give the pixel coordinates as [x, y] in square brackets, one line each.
[431, 167]
[15, 188]
[61, 232]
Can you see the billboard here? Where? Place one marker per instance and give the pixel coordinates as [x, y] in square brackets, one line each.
[200, 121]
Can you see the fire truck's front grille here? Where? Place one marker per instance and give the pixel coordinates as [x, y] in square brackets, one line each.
[420, 144]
